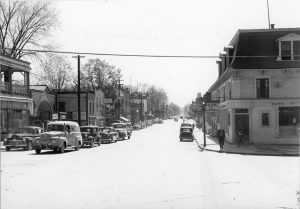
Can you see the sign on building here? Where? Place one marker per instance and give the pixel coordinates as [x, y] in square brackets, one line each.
[212, 107]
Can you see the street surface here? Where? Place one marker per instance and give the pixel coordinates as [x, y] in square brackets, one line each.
[151, 170]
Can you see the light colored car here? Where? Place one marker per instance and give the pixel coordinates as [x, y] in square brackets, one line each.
[58, 136]
[121, 128]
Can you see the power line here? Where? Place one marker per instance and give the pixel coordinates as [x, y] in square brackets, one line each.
[147, 55]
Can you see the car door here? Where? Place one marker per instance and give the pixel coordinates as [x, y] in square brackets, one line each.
[68, 135]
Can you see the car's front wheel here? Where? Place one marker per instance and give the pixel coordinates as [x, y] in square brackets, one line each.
[29, 145]
[62, 149]
[91, 144]
[38, 151]
[7, 148]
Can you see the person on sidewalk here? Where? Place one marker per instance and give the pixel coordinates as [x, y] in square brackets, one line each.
[240, 138]
[221, 137]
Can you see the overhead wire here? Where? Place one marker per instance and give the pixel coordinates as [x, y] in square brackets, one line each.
[146, 55]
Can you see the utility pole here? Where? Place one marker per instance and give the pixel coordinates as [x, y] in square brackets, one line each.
[268, 14]
[141, 107]
[119, 95]
[204, 128]
[78, 88]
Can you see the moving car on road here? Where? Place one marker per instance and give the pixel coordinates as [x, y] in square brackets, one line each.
[90, 135]
[59, 135]
[186, 133]
[22, 138]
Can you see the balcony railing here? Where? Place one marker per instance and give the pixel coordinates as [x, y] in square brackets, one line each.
[22, 90]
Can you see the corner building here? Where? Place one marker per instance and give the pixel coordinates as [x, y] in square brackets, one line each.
[259, 86]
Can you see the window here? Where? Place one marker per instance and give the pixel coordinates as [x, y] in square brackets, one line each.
[265, 119]
[296, 50]
[262, 88]
[286, 51]
[61, 107]
[289, 116]
[289, 49]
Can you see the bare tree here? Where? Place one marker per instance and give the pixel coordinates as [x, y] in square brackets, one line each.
[97, 73]
[23, 24]
[57, 72]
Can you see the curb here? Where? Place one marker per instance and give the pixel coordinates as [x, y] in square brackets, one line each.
[249, 153]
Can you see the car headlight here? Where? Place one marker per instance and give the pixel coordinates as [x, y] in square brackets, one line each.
[5, 139]
[24, 139]
[37, 141]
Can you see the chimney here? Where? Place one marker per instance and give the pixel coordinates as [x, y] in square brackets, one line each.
[272, 26]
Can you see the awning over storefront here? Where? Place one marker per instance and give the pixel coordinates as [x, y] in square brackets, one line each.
[124, 119]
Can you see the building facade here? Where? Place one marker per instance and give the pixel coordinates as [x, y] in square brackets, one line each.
[15, 97]
[258, 88]
[43, 105]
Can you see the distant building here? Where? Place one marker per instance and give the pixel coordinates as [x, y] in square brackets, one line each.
[259, 87]
[43, 104]
[91, 106]
[15, 98]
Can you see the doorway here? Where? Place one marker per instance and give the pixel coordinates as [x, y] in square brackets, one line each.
[242, 124]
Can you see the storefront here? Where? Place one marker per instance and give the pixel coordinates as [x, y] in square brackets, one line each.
[261, 122]
[14, 113]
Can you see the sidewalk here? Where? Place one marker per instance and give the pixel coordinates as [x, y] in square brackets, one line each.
[212, 144]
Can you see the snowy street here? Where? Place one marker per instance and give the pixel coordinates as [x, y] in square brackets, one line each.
[151, 170]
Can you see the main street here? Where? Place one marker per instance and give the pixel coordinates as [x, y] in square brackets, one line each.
[151, 170]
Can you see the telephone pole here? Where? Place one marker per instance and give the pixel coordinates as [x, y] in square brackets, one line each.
[78, 88]
[119, 95]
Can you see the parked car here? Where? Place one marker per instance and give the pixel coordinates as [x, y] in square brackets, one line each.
[136, 127]
[59, 136]
[129, 128]
[122, 130]
[186, 133]
[90, 135]
[22, 138]
[108, 134]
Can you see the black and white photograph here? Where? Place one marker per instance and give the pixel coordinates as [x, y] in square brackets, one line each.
[149, 104]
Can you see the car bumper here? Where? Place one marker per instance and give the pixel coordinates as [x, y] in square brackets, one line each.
[15, 144]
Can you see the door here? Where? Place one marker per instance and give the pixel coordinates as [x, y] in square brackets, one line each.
[242, 124]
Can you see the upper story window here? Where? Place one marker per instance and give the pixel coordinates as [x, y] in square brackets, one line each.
[262, 88]
[289, 47]
[61, 106]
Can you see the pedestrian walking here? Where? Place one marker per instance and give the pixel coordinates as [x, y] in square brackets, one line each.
[240, 138]
[221, 137]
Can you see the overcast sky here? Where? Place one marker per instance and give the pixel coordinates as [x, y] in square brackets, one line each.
[165, 27]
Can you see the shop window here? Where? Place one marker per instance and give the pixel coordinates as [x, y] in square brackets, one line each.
[265, 119]
[289, 121]
[289, 116]
[262, 87]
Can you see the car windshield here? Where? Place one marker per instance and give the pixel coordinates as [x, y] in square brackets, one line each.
[25, 130]
[86, 129]
[118, 125]
[186, 130]
[55, 127]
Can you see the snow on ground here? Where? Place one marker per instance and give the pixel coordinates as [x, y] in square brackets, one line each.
[151, 170]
